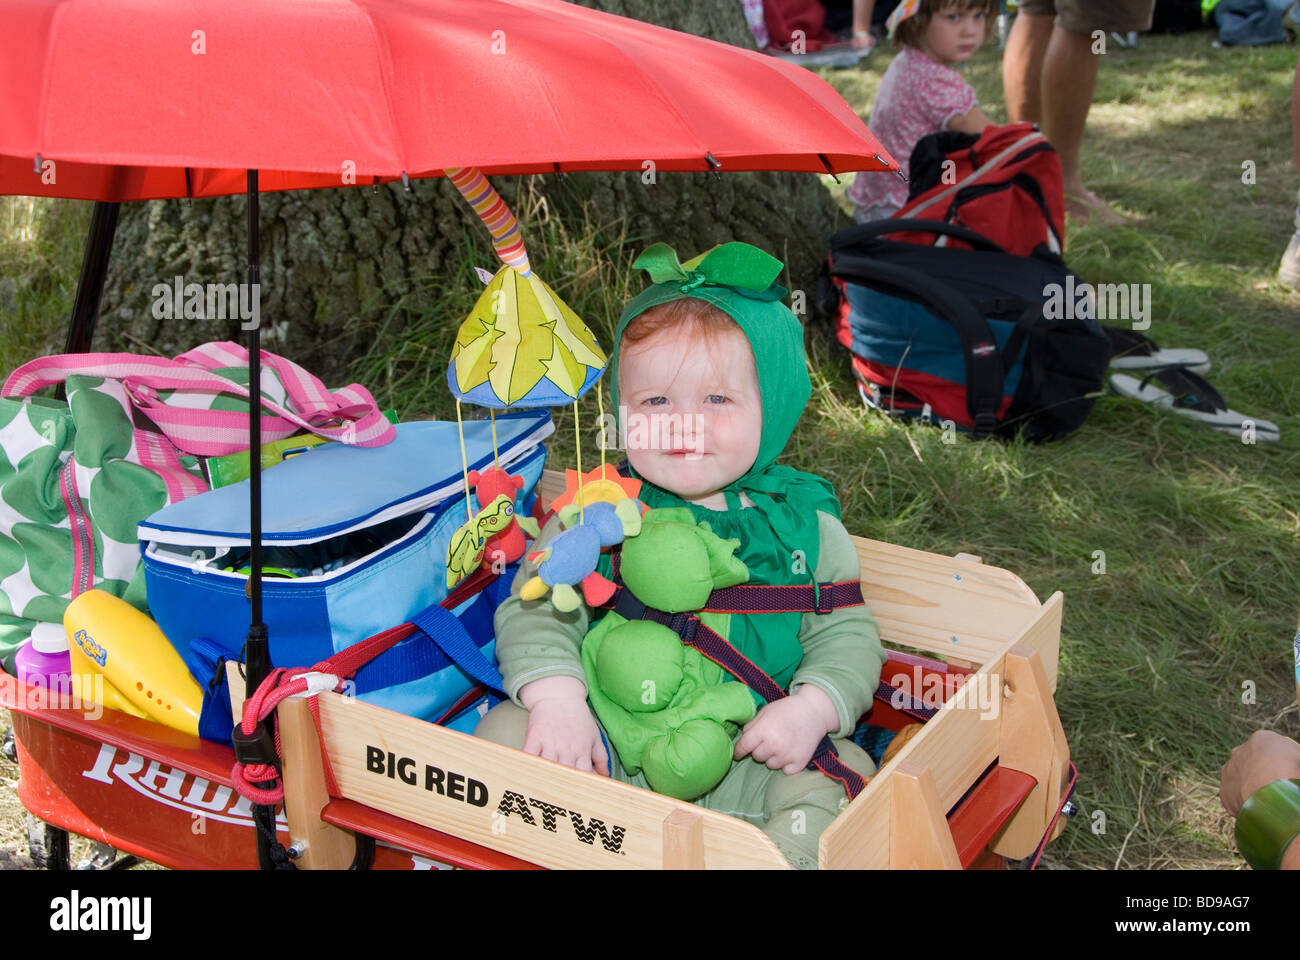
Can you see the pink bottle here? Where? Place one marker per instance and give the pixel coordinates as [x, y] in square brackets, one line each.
[44, 660]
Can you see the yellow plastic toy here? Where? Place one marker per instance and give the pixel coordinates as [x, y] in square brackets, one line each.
[139, 665]
[84, 672]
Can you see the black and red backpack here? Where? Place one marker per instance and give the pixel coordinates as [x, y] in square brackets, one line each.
[1005, 184]
[946, 307]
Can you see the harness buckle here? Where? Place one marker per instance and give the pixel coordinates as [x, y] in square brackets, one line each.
[627, 605]
[824, 599]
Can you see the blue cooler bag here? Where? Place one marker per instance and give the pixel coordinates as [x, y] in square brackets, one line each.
[354, 542]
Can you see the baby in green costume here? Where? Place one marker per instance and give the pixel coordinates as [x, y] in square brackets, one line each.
[709, 376]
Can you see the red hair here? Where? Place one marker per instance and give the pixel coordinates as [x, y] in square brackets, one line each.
[690, 318]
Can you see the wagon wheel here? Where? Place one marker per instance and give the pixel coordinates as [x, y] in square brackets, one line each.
[47, 845]
[105, 857]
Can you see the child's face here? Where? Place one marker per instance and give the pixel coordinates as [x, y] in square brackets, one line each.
[953, 35]
[693, 419]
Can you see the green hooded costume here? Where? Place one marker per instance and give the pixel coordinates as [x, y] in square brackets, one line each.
[686, 738]
[779, 536]
[782, 539]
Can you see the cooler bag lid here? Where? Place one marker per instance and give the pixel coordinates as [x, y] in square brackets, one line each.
[336, 488]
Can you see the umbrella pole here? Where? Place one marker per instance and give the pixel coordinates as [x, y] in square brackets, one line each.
[257, 657]
[90, 284]
[256, 649]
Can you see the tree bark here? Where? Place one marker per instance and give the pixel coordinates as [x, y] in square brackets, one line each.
[337, 264]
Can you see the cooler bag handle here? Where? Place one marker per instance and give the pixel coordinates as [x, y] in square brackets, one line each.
[450, 644]
[449, 635]
[985, 371]
[213, 433]
[881, 228]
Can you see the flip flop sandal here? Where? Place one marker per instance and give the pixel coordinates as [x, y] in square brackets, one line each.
[1190, 396]
[1130, 350]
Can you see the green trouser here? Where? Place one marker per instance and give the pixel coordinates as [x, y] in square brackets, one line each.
[792, 810]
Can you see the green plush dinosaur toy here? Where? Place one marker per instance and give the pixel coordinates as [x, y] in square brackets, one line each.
[668, 710]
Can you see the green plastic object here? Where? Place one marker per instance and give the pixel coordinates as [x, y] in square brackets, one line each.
[268, 571]
[669, 712]
[1269, 821]
[233, 468]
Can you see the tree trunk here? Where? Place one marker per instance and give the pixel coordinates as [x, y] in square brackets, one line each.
[339, 265]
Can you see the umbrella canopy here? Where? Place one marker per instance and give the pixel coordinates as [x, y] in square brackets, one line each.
[146, 99]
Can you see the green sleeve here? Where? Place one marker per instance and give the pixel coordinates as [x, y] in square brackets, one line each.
[842, 655]
[534, 640]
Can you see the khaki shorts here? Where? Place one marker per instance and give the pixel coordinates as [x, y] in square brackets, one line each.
[1085, 16]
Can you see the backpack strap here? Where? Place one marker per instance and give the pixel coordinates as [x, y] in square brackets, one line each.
[985, 373]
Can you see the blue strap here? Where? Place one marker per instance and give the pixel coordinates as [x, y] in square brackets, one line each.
[452, 639]
[411, 659]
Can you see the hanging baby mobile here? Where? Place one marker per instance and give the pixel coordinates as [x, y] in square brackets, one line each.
[522, 346]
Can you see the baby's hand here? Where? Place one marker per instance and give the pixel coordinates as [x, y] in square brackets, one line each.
[786, 732]
[561, 727]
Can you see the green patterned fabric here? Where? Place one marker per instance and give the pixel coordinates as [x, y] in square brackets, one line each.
[116, 492]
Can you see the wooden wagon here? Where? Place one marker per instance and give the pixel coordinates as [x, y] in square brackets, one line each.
[982, 780]
[986, 775]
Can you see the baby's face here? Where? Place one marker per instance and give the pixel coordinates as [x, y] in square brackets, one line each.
[693, 422]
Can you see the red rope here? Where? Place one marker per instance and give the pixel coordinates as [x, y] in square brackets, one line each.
[275, 688]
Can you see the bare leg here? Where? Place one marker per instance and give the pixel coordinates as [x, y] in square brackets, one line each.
[1022, 67]
[862, 38]
[1069, 76]
[1295, 118]
[1289, 271]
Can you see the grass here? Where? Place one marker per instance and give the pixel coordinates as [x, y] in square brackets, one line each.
[40, 254]
[1175, 650]
[1199, 531]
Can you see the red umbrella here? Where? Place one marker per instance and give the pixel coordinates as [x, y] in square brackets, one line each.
[145, 99]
